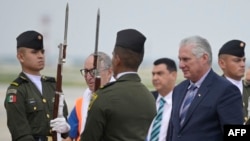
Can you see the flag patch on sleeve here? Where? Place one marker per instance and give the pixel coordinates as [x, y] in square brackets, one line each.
[11, 98]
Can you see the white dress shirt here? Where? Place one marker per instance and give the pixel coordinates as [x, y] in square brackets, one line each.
[165, 117]
[239, 84]
[36, 79]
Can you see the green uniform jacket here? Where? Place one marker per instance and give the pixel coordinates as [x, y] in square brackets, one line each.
[245, 96]
[121, 111]
[246, 99]
[28, 111]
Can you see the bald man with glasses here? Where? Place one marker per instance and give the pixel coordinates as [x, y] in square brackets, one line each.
[78, 115]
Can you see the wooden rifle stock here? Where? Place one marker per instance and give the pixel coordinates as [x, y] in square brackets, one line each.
[61, 60]
[57, 96]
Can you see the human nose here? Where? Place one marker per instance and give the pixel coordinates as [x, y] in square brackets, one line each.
[181, 65]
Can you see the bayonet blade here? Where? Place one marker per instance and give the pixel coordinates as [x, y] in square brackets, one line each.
[97, 30]
[66, 24]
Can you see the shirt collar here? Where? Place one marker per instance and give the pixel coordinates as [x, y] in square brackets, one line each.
[198, 83]
[167, 98]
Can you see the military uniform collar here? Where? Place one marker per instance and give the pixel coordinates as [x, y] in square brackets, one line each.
[123, 73]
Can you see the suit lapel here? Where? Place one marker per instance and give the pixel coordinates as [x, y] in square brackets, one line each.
[202, 91]
[155, 94]
[181, 92]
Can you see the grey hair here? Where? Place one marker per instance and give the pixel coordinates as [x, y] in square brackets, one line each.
[103, 59]
[201, 46]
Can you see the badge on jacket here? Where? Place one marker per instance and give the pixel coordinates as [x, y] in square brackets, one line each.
[92, 100]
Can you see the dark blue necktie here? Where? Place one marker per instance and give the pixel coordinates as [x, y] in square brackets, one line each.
[186, 102]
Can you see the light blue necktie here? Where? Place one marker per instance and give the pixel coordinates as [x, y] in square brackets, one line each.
[186, 102]
[154, 136]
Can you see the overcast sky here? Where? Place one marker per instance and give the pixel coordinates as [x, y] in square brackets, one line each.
[164, 23]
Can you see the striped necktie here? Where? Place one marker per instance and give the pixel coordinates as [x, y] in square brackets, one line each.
[154, 136]
[186, 102]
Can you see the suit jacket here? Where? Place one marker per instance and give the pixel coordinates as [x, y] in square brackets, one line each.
[217, 102]
[123, 110]
[155, 94]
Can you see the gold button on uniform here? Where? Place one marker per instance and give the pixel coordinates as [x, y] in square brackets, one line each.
[246, 119]
[35, 108]
[44, 100]
[48, 116]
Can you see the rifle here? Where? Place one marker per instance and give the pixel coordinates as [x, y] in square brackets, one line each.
[97, 74]
[95, 63]
[58, 107]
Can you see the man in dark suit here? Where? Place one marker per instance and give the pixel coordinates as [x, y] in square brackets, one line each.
[232, 62]
[216, 101]
[164, 74]
[122, 110]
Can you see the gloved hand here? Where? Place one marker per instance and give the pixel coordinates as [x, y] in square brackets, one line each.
[59, 125]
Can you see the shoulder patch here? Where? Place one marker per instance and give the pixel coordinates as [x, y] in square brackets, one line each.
[11, 91]
[12, 98]
[18, 81]
[108, 84]
[50, 79]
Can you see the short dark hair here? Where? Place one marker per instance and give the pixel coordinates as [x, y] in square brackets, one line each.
[170, 64]
[129, 58]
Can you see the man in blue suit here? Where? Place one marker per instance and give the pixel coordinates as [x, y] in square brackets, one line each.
[216, 102]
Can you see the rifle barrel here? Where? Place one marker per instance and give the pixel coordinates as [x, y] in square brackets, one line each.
[61, 60]
[97, 75]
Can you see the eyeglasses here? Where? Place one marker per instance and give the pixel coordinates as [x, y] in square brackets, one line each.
[91, 72]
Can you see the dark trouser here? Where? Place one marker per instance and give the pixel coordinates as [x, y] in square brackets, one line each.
[43, 138]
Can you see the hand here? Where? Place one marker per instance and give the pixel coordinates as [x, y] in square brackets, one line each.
[59, 125]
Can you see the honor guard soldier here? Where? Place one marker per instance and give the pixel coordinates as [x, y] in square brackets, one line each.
[122, 110]
[247, 87]
[232, 62]
[30, 97]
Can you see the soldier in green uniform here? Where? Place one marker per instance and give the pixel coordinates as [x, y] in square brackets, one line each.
[122, 110]
[232, 62]
[246, 97]
[30, 97]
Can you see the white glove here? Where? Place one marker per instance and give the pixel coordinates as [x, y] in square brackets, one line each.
[59, 125]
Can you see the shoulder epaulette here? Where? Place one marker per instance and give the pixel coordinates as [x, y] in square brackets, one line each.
[18, 81]
[108, 84]
[50, 79]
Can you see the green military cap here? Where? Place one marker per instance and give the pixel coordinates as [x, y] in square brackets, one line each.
[233, 47]
[30, 39]
[131, 39]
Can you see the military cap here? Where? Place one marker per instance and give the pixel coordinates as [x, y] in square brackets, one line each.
[233, 47]
[30, 39]
[130, 39]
